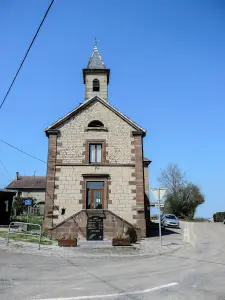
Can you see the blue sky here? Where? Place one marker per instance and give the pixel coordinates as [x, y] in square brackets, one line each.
[167, 61]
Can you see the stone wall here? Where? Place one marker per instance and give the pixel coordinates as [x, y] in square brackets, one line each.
[146, 181]
[120, 192]
[140, 186]
[103, 93]
[73, 135]
[50, 180]
[75, 226]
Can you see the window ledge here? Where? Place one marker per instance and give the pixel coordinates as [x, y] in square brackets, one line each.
[96, 129]
[96, 175]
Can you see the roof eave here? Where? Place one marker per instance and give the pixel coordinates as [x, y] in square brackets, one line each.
[52, 132]
[146, 162]
[6, 191]
[24, 188]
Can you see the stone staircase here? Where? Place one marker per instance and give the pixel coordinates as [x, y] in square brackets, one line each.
[76, 225]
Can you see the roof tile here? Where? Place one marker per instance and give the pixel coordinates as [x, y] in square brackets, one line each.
[96, 61]
[28, 182]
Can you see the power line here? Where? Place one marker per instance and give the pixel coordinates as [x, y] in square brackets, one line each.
[28, 50]
[4, 167]
[23, 151]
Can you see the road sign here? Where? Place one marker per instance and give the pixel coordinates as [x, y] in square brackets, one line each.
[157, 205]
[158, 193]
[28, 202]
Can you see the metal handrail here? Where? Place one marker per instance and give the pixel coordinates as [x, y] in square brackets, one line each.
[25, 233]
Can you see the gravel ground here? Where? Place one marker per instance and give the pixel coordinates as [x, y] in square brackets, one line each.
[146, 247]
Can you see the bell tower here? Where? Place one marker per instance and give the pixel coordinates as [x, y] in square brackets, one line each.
[96, 77]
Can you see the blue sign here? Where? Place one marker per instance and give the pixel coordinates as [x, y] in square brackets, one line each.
[28, 202]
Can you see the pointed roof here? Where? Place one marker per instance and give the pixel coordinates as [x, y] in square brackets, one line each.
[86, 104]
[96, 62]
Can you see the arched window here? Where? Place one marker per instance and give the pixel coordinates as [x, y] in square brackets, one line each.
[96, 85]
[95, 123]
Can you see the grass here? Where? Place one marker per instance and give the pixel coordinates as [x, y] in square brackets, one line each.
[33, 219]
[25, 238]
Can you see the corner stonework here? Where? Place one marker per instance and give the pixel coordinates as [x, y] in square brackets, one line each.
[139, 217]
[50, 179]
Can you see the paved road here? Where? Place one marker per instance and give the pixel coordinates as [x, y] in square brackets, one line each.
[195, 272]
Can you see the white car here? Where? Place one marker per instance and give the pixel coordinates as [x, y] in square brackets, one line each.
[170, 220]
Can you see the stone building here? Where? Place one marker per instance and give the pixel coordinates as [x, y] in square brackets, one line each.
[97, 176]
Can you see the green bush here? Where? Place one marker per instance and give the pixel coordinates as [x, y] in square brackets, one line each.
[131, 232]
[199, 219]
[19, 205]
[26, 238]
[219, 217]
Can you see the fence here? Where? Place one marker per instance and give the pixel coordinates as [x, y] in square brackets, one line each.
[22, 228]
[34, 211]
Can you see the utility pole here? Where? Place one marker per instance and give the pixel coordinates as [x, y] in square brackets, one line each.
[160, 228]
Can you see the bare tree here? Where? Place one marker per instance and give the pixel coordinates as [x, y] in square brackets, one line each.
[172, 178]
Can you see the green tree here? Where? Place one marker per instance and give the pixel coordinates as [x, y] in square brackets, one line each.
[184, 201]
[182, 197]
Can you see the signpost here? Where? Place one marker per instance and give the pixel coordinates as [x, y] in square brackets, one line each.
[158, 194]
[157, 205]
[28, 203]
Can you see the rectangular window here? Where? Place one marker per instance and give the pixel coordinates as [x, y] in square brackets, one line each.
[95, 153]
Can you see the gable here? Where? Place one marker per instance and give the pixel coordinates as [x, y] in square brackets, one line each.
[84, 106]
[116, 135]
[95, 112]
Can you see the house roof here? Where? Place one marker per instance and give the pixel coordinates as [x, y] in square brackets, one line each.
[28, 182]
[96, 61]
[89, 102]
[6, 191]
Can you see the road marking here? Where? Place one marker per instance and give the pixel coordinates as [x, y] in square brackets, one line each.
[194, 236]
[186, 237]
[118, 294]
